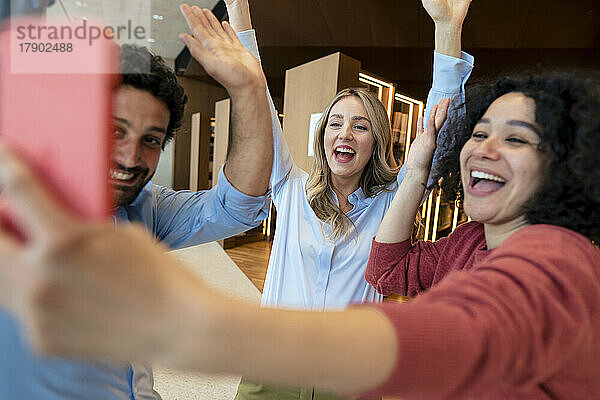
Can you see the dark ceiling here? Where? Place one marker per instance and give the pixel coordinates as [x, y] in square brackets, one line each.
[394, 38]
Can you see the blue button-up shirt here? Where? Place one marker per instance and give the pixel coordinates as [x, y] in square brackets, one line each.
[178, 219]
[306, 270]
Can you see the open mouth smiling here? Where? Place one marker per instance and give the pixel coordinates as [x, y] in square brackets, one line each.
[344, 153]
[483, 183]
[120, 177]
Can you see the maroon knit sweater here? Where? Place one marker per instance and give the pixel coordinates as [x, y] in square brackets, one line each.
[521, 321]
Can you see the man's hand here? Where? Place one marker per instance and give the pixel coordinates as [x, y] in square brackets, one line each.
[216, 47]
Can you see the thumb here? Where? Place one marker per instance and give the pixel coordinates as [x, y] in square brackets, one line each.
[37, 213]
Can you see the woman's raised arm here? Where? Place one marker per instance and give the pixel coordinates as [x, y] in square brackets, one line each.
[448, 16]
[400, 217]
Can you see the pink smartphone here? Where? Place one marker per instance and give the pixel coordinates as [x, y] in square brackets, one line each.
[55, 111]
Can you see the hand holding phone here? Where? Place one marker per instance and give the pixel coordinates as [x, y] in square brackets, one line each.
[59, 123]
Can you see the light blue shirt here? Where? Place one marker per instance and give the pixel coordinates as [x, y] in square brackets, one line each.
[179, 219]
[306, 270]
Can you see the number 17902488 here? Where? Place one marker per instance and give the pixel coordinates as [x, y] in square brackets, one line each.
[47, 47]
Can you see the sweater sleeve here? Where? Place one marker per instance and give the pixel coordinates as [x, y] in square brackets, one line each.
[516, 319]
[407, 270]
[401, 268]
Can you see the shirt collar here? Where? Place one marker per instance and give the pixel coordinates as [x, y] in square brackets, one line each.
[121, 212]
[356, 198]
[360, 196]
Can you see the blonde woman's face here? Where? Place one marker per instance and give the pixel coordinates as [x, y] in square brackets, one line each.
[348, 140]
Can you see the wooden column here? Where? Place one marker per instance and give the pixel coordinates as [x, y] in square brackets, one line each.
[222, 112]
[199, 151]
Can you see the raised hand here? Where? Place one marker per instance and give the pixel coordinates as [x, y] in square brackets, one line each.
[448, 16]
[216, 47]
[451, 12]
[239, 15]
[421, 150]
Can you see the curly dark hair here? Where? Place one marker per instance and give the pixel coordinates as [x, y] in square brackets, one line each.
[146, 71]
[567, 108]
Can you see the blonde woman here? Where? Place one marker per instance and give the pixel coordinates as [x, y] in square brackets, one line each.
[327, 219]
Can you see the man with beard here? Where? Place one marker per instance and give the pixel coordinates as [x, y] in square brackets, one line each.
[148, 109]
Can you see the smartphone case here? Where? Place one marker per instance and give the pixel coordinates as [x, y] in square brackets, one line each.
[55, 111]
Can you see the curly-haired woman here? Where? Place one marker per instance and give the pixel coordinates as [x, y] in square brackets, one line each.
[508, 303]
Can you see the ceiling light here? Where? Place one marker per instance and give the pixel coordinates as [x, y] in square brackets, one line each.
[151, 40]
[158, 17]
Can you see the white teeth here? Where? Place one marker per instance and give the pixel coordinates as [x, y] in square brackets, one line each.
[489, 177]
[345, 150]
[120, 176]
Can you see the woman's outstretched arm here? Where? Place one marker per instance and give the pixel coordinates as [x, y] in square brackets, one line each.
[115, 295]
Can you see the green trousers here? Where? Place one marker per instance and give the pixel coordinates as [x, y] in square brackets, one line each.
[254, 391]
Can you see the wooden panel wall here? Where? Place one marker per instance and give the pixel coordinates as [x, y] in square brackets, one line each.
[201, 98]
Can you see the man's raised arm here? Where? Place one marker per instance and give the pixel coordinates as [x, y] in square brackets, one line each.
[216, 47]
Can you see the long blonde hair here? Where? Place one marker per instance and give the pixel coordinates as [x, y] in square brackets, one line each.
[379, 172]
